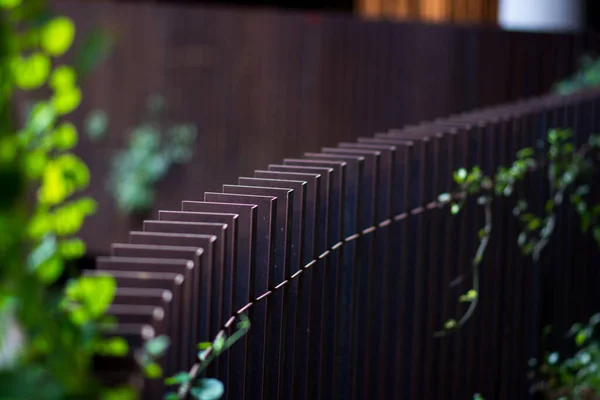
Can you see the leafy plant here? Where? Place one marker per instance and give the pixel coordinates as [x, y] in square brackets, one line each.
[150, 153]
[49, 333]
[569, 172]
[576, 377]
[192, 382]
[588, 75]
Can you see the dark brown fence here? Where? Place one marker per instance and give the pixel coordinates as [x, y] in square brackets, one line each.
[342, 260]
[262, 85]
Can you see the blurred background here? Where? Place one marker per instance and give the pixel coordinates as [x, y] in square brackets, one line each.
[227, 87]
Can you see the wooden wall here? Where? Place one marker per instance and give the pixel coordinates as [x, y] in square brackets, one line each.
[262, 85]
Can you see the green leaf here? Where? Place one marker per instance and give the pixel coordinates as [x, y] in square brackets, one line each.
[152, 370]
[65, 136]
[522, 239]
[57, 36]
[50, 270]
[62, 78]
[67, 220]
[35, 162]
[178, 379]
[450, 324]
[8, 150]
[119, 393]
[53, 189]
[95, 293]
[581, 337]
[208, 389]
[444, 197]
[86, 205]
[468, 297]
[95, 46]
[157, 346]
[42, 253]
[533, 224]
[66, 100]
[525, 153]
[8, 4]
[171, 396]
[204, 345]
[74, 170]
[455, 209]
[41, 118]
[594, 140]
[96, 124]
[72, 248]
[114, 346]
[553, 358]
[460, 175]
[31, 72]
[39, 225]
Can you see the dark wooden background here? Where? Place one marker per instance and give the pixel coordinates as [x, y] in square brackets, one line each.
[262, 84]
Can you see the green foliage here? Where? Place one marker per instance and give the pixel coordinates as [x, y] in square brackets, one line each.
[588, 75]
[96, 124]
[48, 334]
[576, 377]
[95, 48]
[568, 172]
[146, 160]
[193, 382]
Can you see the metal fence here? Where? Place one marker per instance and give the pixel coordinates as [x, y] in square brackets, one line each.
[342, 260]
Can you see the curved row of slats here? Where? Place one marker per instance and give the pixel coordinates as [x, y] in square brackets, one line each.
[342, 259]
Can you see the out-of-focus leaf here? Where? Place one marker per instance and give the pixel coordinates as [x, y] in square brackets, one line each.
[65, 136]
[57, 36]
[42, 253]
[66, 100]
[50, 270]
[63, 77]
[8, 4]
[208, 389]
[96, 124]
[95, 47]
[42, 116]
[31, 72]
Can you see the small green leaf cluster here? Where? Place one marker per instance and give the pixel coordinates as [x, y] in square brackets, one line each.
[576, 377]
[150, 153]
[192, 382]
[147, 358]
[588, 75]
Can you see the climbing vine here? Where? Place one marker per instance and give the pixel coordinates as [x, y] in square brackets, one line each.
[194, 382]
[569, 172]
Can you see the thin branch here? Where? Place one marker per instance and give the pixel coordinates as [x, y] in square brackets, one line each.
[475, 271]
